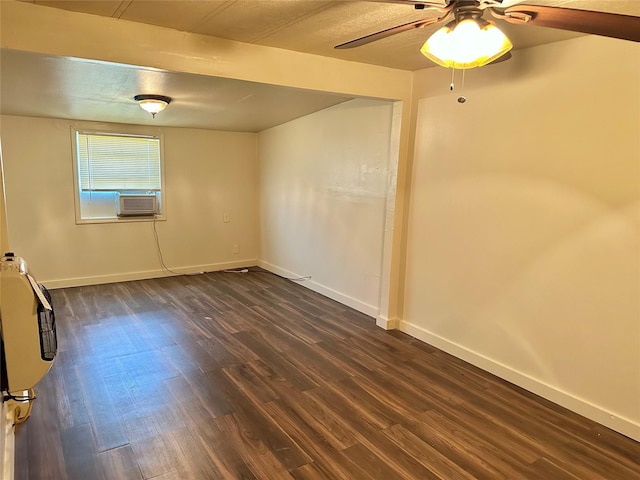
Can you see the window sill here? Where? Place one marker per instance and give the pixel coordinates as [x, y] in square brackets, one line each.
[132, 219]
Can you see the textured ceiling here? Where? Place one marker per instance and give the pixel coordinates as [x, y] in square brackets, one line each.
[308, 26]
[75, 88]
[312, 26]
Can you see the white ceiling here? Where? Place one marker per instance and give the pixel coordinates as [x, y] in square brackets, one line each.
[38, 85]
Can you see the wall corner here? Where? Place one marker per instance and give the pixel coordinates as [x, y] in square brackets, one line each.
[387, 323]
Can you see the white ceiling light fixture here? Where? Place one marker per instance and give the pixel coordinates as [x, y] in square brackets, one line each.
[152, 103]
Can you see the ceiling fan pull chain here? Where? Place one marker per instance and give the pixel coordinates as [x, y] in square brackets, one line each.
[453, 77]
[462, 98]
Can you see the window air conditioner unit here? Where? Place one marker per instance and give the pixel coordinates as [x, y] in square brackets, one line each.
[137, 205]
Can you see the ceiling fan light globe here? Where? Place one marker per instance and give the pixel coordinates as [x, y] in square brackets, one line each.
[152, 106]
[466, 44]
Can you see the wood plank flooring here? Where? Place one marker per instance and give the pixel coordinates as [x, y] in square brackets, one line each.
[250, 376]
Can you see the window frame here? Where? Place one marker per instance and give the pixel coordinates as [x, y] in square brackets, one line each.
[124, 130]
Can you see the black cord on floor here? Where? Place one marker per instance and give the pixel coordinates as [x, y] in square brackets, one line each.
[162, 264]
[253, 270]
[243, 270]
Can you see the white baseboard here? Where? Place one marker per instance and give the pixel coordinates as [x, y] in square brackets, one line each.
[143, 275]
[622, 425]
[354, 303]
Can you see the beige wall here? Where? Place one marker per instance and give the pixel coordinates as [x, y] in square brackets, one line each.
[523, 238]
[208, 173]
[323, 190]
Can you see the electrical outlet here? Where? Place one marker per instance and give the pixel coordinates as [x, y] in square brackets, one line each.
[236, 249]
[226, 218]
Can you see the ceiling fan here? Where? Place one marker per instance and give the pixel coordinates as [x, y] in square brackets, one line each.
[469, 40]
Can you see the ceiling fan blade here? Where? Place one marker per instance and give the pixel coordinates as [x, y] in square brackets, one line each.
[614, 25]
[503, 58]
[387, 33]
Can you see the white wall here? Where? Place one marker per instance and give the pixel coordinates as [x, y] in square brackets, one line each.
[523, 251]
[323, 187]
[207, 173]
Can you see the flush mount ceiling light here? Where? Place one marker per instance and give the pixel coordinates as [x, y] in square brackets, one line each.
[152, 103]
[467, 42]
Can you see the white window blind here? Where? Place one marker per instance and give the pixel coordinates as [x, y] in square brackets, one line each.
[115, 162]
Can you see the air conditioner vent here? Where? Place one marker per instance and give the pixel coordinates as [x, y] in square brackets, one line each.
[136, 205]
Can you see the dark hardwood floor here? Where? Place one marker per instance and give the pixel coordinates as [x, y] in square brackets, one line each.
[250, 376]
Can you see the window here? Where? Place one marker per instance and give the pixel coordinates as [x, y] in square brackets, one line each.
[107, 165]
